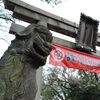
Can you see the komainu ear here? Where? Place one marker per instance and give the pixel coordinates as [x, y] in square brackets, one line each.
[27, 30]
[30, 28]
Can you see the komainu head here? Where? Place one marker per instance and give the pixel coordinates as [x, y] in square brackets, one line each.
[33, 44]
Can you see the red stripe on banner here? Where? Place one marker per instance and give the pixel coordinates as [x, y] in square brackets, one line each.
[66, 57]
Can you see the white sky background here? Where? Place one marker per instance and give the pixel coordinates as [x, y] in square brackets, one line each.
[68, 9]
[71, 9]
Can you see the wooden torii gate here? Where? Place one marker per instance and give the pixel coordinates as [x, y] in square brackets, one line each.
[31, 14]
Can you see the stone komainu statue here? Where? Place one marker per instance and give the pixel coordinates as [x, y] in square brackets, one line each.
[27, 52]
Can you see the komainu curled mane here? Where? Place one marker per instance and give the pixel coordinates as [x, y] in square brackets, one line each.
[18, 65]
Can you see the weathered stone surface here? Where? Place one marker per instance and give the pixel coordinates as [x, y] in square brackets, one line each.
[19, 63]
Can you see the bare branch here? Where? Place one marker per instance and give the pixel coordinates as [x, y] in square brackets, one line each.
[96, 76]
[57, 93]
[66, 87]
[5, 40]
[5, 18]
[86, 75]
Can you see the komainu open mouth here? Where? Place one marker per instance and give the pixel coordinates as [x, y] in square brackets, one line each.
[40, 50]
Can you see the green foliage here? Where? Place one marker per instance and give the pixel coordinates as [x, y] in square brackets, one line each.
[87, 88]
[69, 84]
[55, 84]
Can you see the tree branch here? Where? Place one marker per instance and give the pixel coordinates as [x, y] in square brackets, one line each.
[57, 93]
[96, 76]
[5, 40]
[86, 75]
[5, 18]
[66, 87]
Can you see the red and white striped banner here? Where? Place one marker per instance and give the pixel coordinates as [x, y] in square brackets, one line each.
[65, 57]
